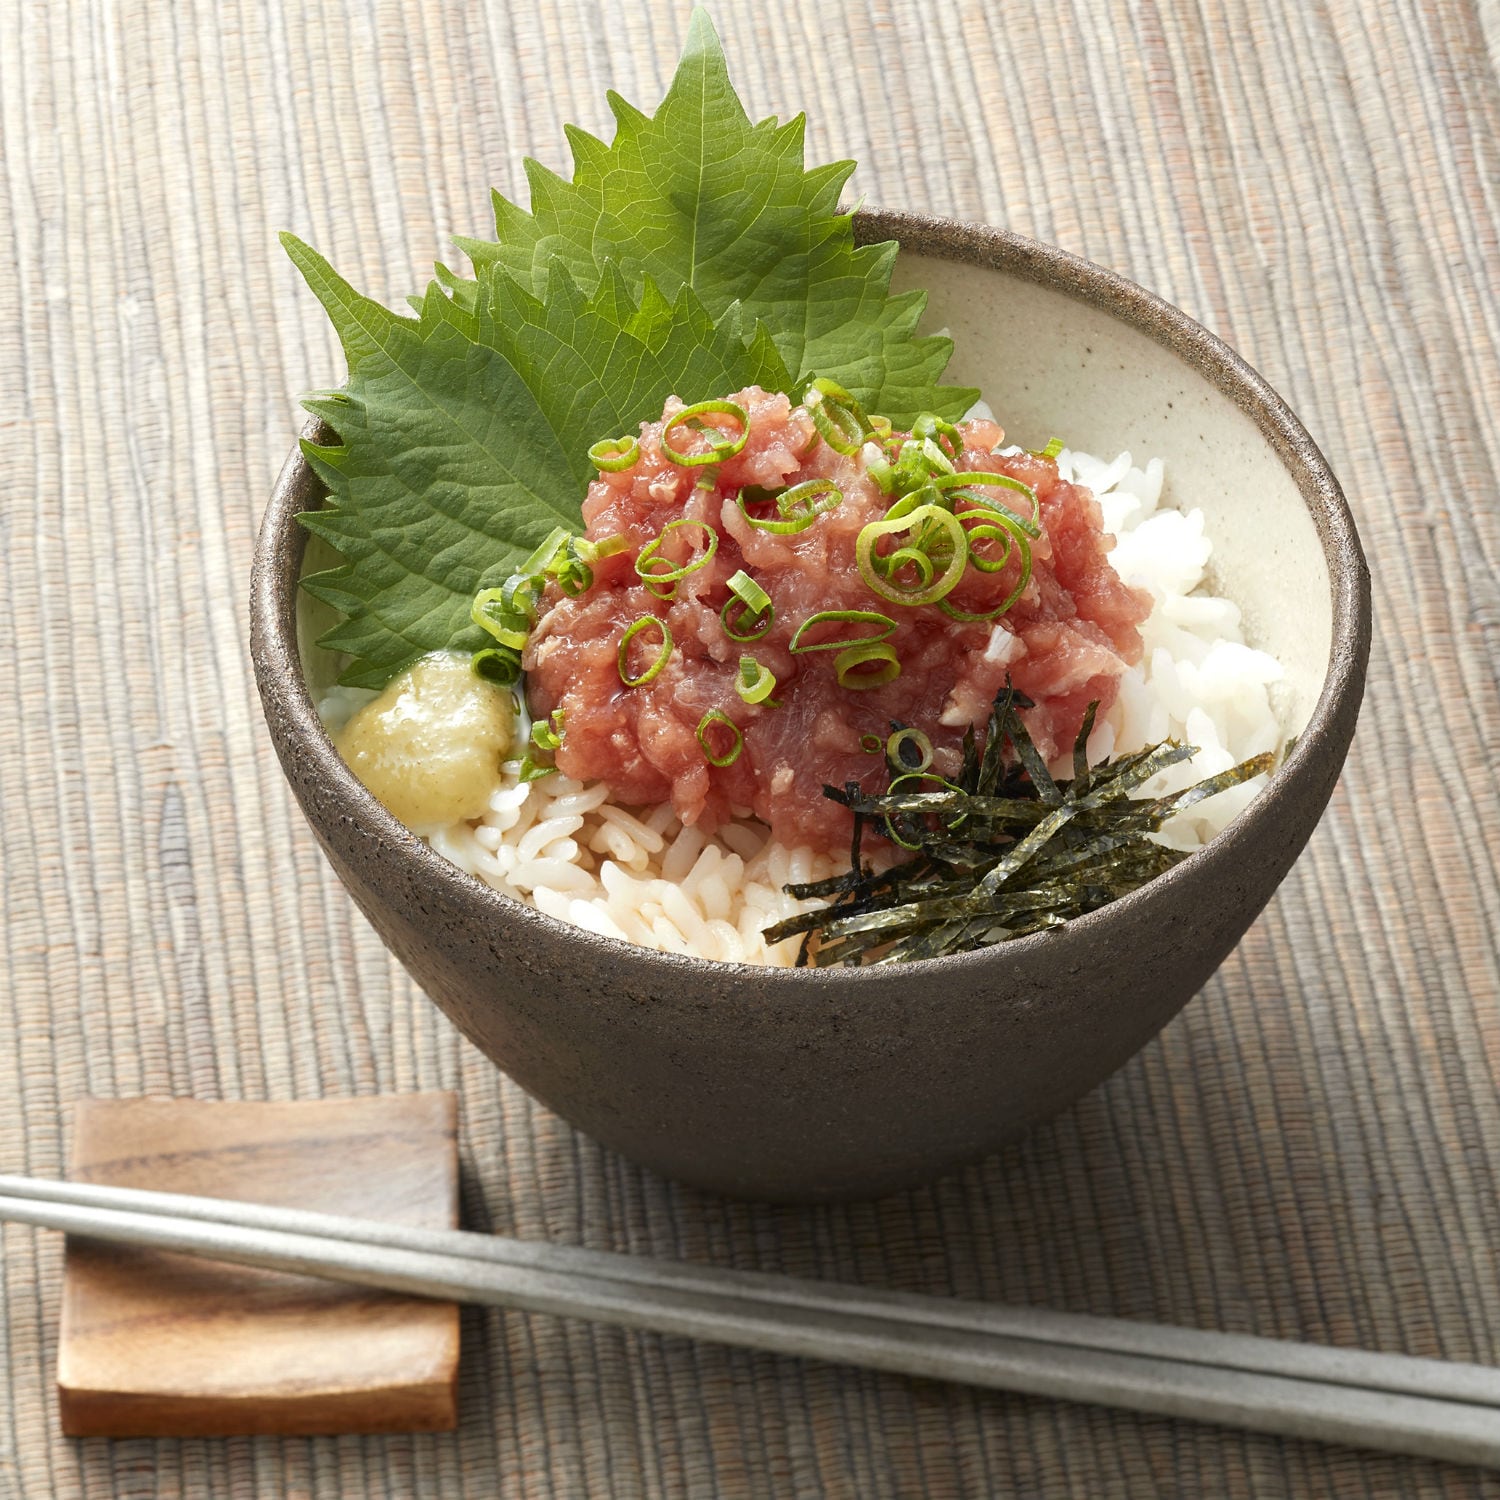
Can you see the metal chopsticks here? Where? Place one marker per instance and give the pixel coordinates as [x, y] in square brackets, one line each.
[1394, 1402]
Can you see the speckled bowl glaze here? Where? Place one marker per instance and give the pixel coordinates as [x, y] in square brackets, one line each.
[839, 1083]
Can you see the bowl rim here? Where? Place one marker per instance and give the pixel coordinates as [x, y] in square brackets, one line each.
[282, 542]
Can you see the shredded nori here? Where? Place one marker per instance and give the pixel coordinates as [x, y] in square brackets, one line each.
[1001, 851]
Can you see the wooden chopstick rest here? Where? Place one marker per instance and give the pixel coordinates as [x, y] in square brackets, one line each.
[155, 1344]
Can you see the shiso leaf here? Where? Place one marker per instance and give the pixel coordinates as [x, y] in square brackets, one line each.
[1004, 852]
[698, 196]
[464, 432]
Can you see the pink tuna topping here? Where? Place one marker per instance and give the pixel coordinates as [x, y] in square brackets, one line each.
[1063, 643]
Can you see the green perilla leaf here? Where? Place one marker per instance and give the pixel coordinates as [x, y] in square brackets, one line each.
[697, 195]
[463, 436]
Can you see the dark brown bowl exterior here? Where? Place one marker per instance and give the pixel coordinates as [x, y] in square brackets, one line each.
[807, 1085]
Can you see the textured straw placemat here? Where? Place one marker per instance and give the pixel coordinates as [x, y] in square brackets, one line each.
[1310, 1151]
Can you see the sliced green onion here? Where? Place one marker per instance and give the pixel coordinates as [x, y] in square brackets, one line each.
[814, 498]
[936, 458]
[918, 776]
[965, 618]
[606, 546]
[1053, 448]
[877, 467]
[909, 740]
[534, 770]
[914, 558]
[546, 734]
[501, 664]
[546, 554]
[839, 617]
[719, 446]
[777, 526]
[913, 466]
[932, 526]
[871, 665]
[622, 655]
[986, 533]
[613, 454]
[932, 428]
[651, 555]
[871, 744]
[493, 612]
[755, 682]
[714, 719]
[755, 614]
[708, 479]
[509, 612]
[968, 478]
[837, 416]
[573, 574]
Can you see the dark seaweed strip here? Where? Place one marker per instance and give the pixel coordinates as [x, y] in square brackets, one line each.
[970, 881]
[1016, 858]
[1213, 785]
[1031, 758]
[992, 762]
[1081, 751]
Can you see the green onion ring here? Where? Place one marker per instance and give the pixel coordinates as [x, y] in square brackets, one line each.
[532, 770]
[608, 546]
[1053, 448]
[838, 617]
[546, 734]
[968, 477]
[871, 744]
[965, 618]
[499, 664]
[613, 454]
[649, 554]
[871, 567]
[986, 533]
[495, 611]
[932, 428]
[850, 664]
[788, 527]
[840, 421]
[756, 609]
[709, 720]
[813, 498]
[544, 559]
[878, 468]
[942, 781]
[905, 557]
[895, 747]
[622, 655]
[936, 459]
[717, 451]
[906, 503]
[575, 577]
[755, 683]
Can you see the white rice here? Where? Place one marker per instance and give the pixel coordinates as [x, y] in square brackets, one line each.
[640, 875]
[1197, 681]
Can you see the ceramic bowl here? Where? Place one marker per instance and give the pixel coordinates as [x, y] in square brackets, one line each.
[840, 1083]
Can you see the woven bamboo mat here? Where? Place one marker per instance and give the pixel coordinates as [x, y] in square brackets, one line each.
[1310, 1151]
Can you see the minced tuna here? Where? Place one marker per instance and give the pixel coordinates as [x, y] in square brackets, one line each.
[1063, 643]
